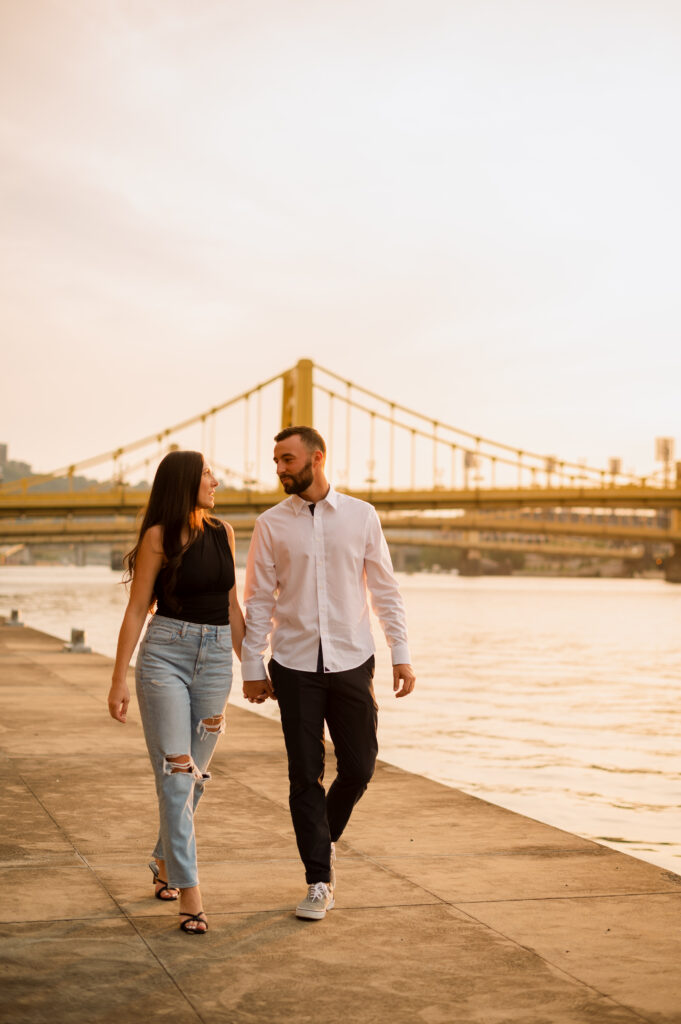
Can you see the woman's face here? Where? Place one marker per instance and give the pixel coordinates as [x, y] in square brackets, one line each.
[206, 495]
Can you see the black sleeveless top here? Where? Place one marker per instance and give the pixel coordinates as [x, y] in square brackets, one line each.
[204, 579]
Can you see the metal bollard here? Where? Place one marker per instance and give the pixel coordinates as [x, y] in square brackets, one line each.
[14, 618]
[77, 644]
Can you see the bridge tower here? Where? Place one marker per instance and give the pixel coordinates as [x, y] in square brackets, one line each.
[296, 403]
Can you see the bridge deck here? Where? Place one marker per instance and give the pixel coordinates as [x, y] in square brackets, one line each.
[123, 500]
[449, 909]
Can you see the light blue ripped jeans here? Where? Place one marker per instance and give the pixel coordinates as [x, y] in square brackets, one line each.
[183, 676]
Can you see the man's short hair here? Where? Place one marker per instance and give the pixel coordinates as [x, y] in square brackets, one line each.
[310, 437]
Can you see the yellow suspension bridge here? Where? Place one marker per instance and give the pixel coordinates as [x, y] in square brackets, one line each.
[433, 484]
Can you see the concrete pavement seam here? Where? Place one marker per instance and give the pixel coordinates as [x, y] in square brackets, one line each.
[556, 967]
[115, 902]
[573, 896]
[508, 938]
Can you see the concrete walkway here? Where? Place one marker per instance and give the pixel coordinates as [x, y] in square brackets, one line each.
[449, 909]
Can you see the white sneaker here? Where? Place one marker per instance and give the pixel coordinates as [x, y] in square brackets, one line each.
[319, 899]
[332, 876]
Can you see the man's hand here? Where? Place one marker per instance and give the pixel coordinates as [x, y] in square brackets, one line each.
[406, 674]
[256, 691]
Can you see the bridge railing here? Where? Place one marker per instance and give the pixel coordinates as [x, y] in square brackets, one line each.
[415, 451]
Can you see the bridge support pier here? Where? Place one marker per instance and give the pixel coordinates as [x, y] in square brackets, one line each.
[471, 563]
[398, 557]
[116, 559]
[672, 568]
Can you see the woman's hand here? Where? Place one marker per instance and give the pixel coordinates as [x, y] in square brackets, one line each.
[119, 698]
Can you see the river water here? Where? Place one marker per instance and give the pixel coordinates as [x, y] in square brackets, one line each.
[557, 698]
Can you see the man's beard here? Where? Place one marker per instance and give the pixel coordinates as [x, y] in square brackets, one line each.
[299, 482]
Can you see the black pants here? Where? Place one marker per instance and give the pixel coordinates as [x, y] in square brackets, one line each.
[346, 701]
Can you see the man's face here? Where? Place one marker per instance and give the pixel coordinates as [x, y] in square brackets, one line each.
[294, 465]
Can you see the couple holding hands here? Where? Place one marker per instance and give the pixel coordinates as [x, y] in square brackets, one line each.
[313, 560]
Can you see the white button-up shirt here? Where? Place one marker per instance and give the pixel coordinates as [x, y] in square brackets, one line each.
[307, 579]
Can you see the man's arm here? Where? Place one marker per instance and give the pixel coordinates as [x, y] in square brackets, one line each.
[388, 605]
[259, 600]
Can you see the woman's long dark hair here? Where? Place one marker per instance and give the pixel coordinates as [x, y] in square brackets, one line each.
[172, 505]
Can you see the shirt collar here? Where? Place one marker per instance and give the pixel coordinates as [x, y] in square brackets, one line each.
[298, 503]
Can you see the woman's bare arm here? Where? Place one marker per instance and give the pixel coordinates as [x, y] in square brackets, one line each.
[147, 566]
[236, 616]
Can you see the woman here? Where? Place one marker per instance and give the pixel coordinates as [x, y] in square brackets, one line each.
[183, 561]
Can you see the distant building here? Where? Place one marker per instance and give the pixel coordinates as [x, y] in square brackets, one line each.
[10, 470]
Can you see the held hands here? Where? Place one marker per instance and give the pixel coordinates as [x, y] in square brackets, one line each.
[256, 691]
[119, 698]
[406, 674]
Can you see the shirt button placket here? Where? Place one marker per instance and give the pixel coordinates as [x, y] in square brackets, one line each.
[322, 603]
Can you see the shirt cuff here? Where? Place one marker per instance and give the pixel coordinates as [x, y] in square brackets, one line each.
[400, 654]
[253, 668]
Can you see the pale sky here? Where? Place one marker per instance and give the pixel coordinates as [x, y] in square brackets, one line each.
[469, 206]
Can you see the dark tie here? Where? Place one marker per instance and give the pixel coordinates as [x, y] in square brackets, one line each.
[311, 508]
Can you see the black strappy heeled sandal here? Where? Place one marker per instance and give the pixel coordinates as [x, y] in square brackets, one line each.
[201, 917]
[158, 893]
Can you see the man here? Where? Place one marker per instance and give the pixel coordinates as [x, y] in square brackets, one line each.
[311, 560]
